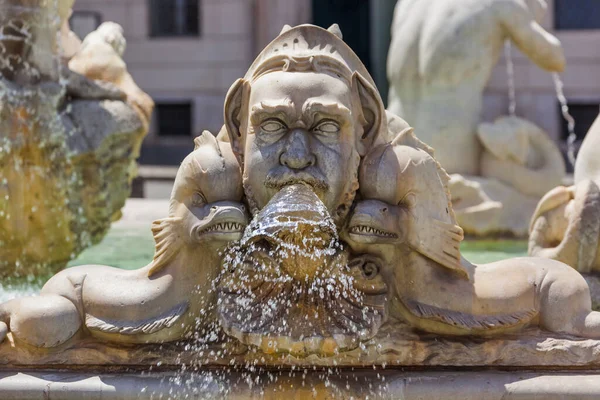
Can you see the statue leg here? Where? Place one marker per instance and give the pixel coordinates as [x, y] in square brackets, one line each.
[40, 321]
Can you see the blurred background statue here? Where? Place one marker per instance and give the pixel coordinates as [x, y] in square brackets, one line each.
[69, 138]
[441, 57]
[566, 223]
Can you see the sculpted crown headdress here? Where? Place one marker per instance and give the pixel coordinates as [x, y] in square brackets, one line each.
[308, 47]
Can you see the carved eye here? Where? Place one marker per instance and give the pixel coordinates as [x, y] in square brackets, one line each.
[409, 200]
[198, 200]
[273, 126]
[327, 127]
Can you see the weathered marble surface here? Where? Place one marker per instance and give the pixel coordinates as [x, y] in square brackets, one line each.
[302, 384]
[393, 346]
[352, 226]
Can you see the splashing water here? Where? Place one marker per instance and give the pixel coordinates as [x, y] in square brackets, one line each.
[510, 75]
[294, 278]
[564, 109]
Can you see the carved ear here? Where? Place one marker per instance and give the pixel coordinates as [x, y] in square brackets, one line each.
[232, 109]
[372, 112]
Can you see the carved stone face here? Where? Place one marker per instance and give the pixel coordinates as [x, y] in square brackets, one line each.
[300, 128]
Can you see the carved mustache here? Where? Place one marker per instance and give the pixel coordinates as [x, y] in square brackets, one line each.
[279, 177]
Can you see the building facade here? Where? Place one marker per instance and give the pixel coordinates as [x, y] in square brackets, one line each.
[186, 54]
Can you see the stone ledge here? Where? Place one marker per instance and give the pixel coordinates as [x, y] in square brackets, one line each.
[395, 346]
[300, 385]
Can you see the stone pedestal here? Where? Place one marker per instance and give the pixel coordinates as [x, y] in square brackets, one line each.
[330, 384]
[398, 363]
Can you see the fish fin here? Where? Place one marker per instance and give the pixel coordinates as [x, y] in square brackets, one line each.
[403, 137]
[407, 137]
[206, 138]
[147, 326]
[467, 321]
[440, 241]
[167, 242]
[554, 198]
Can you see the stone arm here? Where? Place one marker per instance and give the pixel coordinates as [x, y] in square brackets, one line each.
[535, 42]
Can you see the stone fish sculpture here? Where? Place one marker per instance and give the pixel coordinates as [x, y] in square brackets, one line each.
[353, 235]
[406, 218]
[170, 298]
[566, 222]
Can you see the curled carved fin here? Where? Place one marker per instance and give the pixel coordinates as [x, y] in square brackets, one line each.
[554, 198]
[440, 241]
[168, 242]
[147, 326]
[466, 321]
[407, 137]
[206, 139]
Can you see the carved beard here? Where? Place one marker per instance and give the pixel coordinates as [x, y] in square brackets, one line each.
[340, 212]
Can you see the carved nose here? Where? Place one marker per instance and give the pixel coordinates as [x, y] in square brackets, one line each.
[297, 154]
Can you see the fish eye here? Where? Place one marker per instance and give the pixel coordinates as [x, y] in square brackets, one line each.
[198, 199]
[327, 126]
[409, 200]
[273, 125]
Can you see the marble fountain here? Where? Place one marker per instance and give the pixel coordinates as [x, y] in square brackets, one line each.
[311, 249]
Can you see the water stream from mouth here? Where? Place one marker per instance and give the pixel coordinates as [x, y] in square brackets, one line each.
[510, 76]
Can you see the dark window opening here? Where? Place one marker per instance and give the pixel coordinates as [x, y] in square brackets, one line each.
[84, 22]
[576, 14]
[174, 18]
[584, 115]
[353, 17]
[174, 119]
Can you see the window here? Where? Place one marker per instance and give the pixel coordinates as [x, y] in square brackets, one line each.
[84, 22]
[174, 18]
[576, 14]
[584, 115]
[174, 119]
[353, 17]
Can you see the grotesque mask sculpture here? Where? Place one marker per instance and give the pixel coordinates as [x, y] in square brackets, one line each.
[352, 229]
[306, 111]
